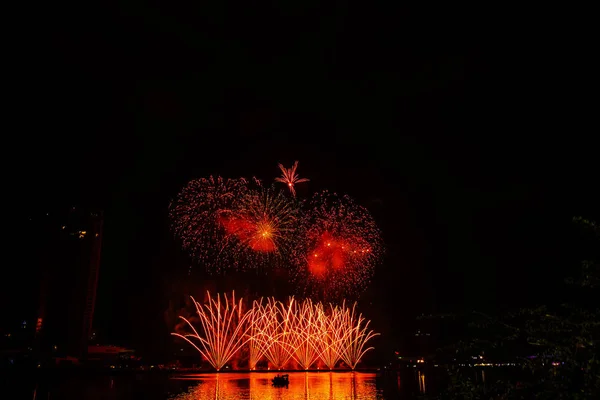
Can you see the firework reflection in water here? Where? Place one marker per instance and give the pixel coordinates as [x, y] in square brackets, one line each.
[303, 385]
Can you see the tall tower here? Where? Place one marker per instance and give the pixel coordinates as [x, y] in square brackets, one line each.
[70, 251]
[96, 223]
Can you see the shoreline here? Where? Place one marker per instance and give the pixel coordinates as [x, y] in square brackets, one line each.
[171, 372]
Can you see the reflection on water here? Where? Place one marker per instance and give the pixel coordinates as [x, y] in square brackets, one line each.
[303, 385]
[421, 378]
[405, 384]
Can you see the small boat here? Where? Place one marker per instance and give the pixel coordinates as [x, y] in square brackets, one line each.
[281, 380]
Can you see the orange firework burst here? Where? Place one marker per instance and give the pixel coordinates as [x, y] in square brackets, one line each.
[235, 223]
[341, 247]
[290, 177]
[279, 332]
[263, 226]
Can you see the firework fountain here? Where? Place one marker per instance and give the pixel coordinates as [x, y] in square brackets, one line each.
[278, 332]
[224, 329]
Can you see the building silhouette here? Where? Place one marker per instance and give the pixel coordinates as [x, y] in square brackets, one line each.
[69, 260]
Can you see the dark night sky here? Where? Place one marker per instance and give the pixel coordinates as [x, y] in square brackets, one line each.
[468, 143]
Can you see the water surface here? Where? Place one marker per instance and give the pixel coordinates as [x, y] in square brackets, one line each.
[303, 385]
[224, 386]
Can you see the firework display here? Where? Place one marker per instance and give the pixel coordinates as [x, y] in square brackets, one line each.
[196, 217]
[331, 343]
[330, 244]
[276, 339]
[355, 337]
[235, 223]
[259, 322]
[262, 226]
[306, 322]
[224, 327]
[278, 332]
[340, 247]
[290, 177]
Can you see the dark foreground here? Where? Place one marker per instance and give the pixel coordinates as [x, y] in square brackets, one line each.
[229, 386]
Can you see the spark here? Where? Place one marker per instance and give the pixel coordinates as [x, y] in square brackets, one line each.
[345, 245]
[279, 335]
[224, 328]
[196, 216]
[259, 327]
[290, 177]
[262, 229]
[235, 224]
[332, 335]
[279, 332]
[307, 333]
[330, 244]
[355, 337]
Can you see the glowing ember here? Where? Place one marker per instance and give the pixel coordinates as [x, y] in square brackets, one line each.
[344, 245]
[279, 332]
[235, 224]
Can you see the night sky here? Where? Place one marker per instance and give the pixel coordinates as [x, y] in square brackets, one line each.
[468, 146]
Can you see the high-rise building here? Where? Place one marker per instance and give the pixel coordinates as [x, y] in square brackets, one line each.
[70, 246]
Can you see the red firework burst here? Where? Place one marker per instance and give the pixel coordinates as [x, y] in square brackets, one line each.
[235, 224]
[196, 214]
[257, 235]
[341, 247]
[333, 245]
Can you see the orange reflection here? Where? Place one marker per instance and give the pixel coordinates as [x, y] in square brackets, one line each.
[303, 385]
[422, 387]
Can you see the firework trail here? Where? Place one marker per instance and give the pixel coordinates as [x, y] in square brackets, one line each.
[279, 332]
[259, 339]
[339, 250]
[224, 329]
[355, 336]
[307, 333]
[332, 337]
[290, 177]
